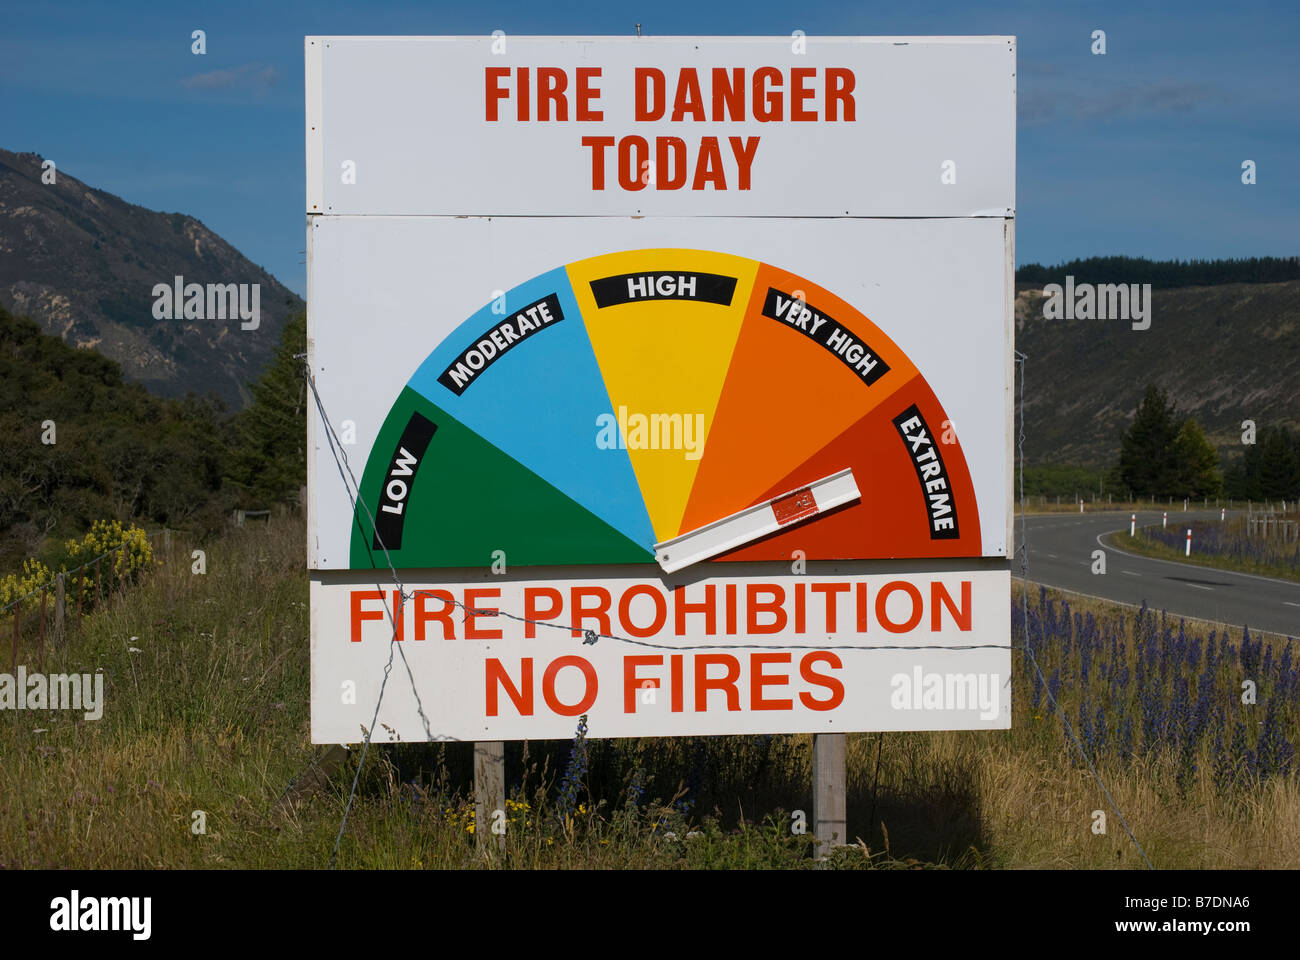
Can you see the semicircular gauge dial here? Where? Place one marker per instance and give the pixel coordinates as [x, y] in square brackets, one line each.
[638, 397]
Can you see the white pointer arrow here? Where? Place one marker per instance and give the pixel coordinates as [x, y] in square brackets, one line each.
[757, 521]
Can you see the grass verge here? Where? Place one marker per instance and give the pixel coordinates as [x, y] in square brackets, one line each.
[206, 724]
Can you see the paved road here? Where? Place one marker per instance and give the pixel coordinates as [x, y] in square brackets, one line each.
[1060, 555]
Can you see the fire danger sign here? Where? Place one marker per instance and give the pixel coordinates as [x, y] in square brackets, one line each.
[665, 412]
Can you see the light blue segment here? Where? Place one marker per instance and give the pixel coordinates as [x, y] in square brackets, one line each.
[538, 403]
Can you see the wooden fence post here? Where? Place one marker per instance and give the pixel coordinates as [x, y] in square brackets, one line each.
[60, 603]
[40, 650]
[489, 790]
[829, 802]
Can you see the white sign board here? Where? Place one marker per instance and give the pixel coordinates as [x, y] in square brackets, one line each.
[734, 126]
[822, 652]
[547, 383]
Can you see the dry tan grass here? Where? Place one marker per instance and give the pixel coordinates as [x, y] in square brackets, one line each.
[212, 715]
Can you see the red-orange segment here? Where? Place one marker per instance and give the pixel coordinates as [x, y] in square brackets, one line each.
[785, 397]
[891, 518]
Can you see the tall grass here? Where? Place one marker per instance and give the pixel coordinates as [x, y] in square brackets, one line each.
[1228, 544]
[211, 715]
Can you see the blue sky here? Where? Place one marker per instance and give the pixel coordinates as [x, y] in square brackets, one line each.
[1136, 152]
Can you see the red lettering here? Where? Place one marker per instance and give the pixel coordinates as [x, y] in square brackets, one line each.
[839, 89]
[632, 153]
[677, 178]
[675, 681]
[775, 606]
[625, 610]
[728, 94]
[587, 93]
[523, 700]
[758, 680]
[492, 77]
[832, 591]
[600, 612]
[799, 92]
[474, 610]
[689, 98]
[551, 83]
[548, 686]
[882, 598]
[821, 680]
[767, 106]
[533, 612]
[358, 597]
[727, 684]
[939, 595]
[443, 616]
[521, 96]
[632, 683]
[598, 146]
[708, 168]
[681, 608]
[744, 151]
[645, 110]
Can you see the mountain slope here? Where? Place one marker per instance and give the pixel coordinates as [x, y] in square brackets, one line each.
[1224, 353]
[83, 263]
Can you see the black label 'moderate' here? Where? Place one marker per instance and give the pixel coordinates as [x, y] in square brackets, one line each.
[498, 340]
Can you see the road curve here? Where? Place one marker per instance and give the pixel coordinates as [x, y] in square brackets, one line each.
[1061, 555]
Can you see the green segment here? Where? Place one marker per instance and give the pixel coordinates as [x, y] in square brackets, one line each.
[469, 499]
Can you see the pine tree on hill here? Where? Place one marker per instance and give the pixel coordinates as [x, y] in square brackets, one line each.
[269, 459]
[1273, 466]
[1197, 463]
[1146, 458]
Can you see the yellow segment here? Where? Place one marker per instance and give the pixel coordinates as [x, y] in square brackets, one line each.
[661, 358]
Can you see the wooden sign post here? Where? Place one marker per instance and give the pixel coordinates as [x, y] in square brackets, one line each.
[830, 824]
[489, 792]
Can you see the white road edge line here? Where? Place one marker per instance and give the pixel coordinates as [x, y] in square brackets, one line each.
[1230, 573]
[1138, 606]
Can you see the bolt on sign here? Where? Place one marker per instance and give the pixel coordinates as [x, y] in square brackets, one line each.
[681, 378]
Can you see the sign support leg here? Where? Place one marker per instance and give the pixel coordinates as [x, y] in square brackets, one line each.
[829, 804]
[489, 791]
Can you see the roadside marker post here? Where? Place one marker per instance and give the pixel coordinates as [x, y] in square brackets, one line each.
[1132, 525]
[1189, 542]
